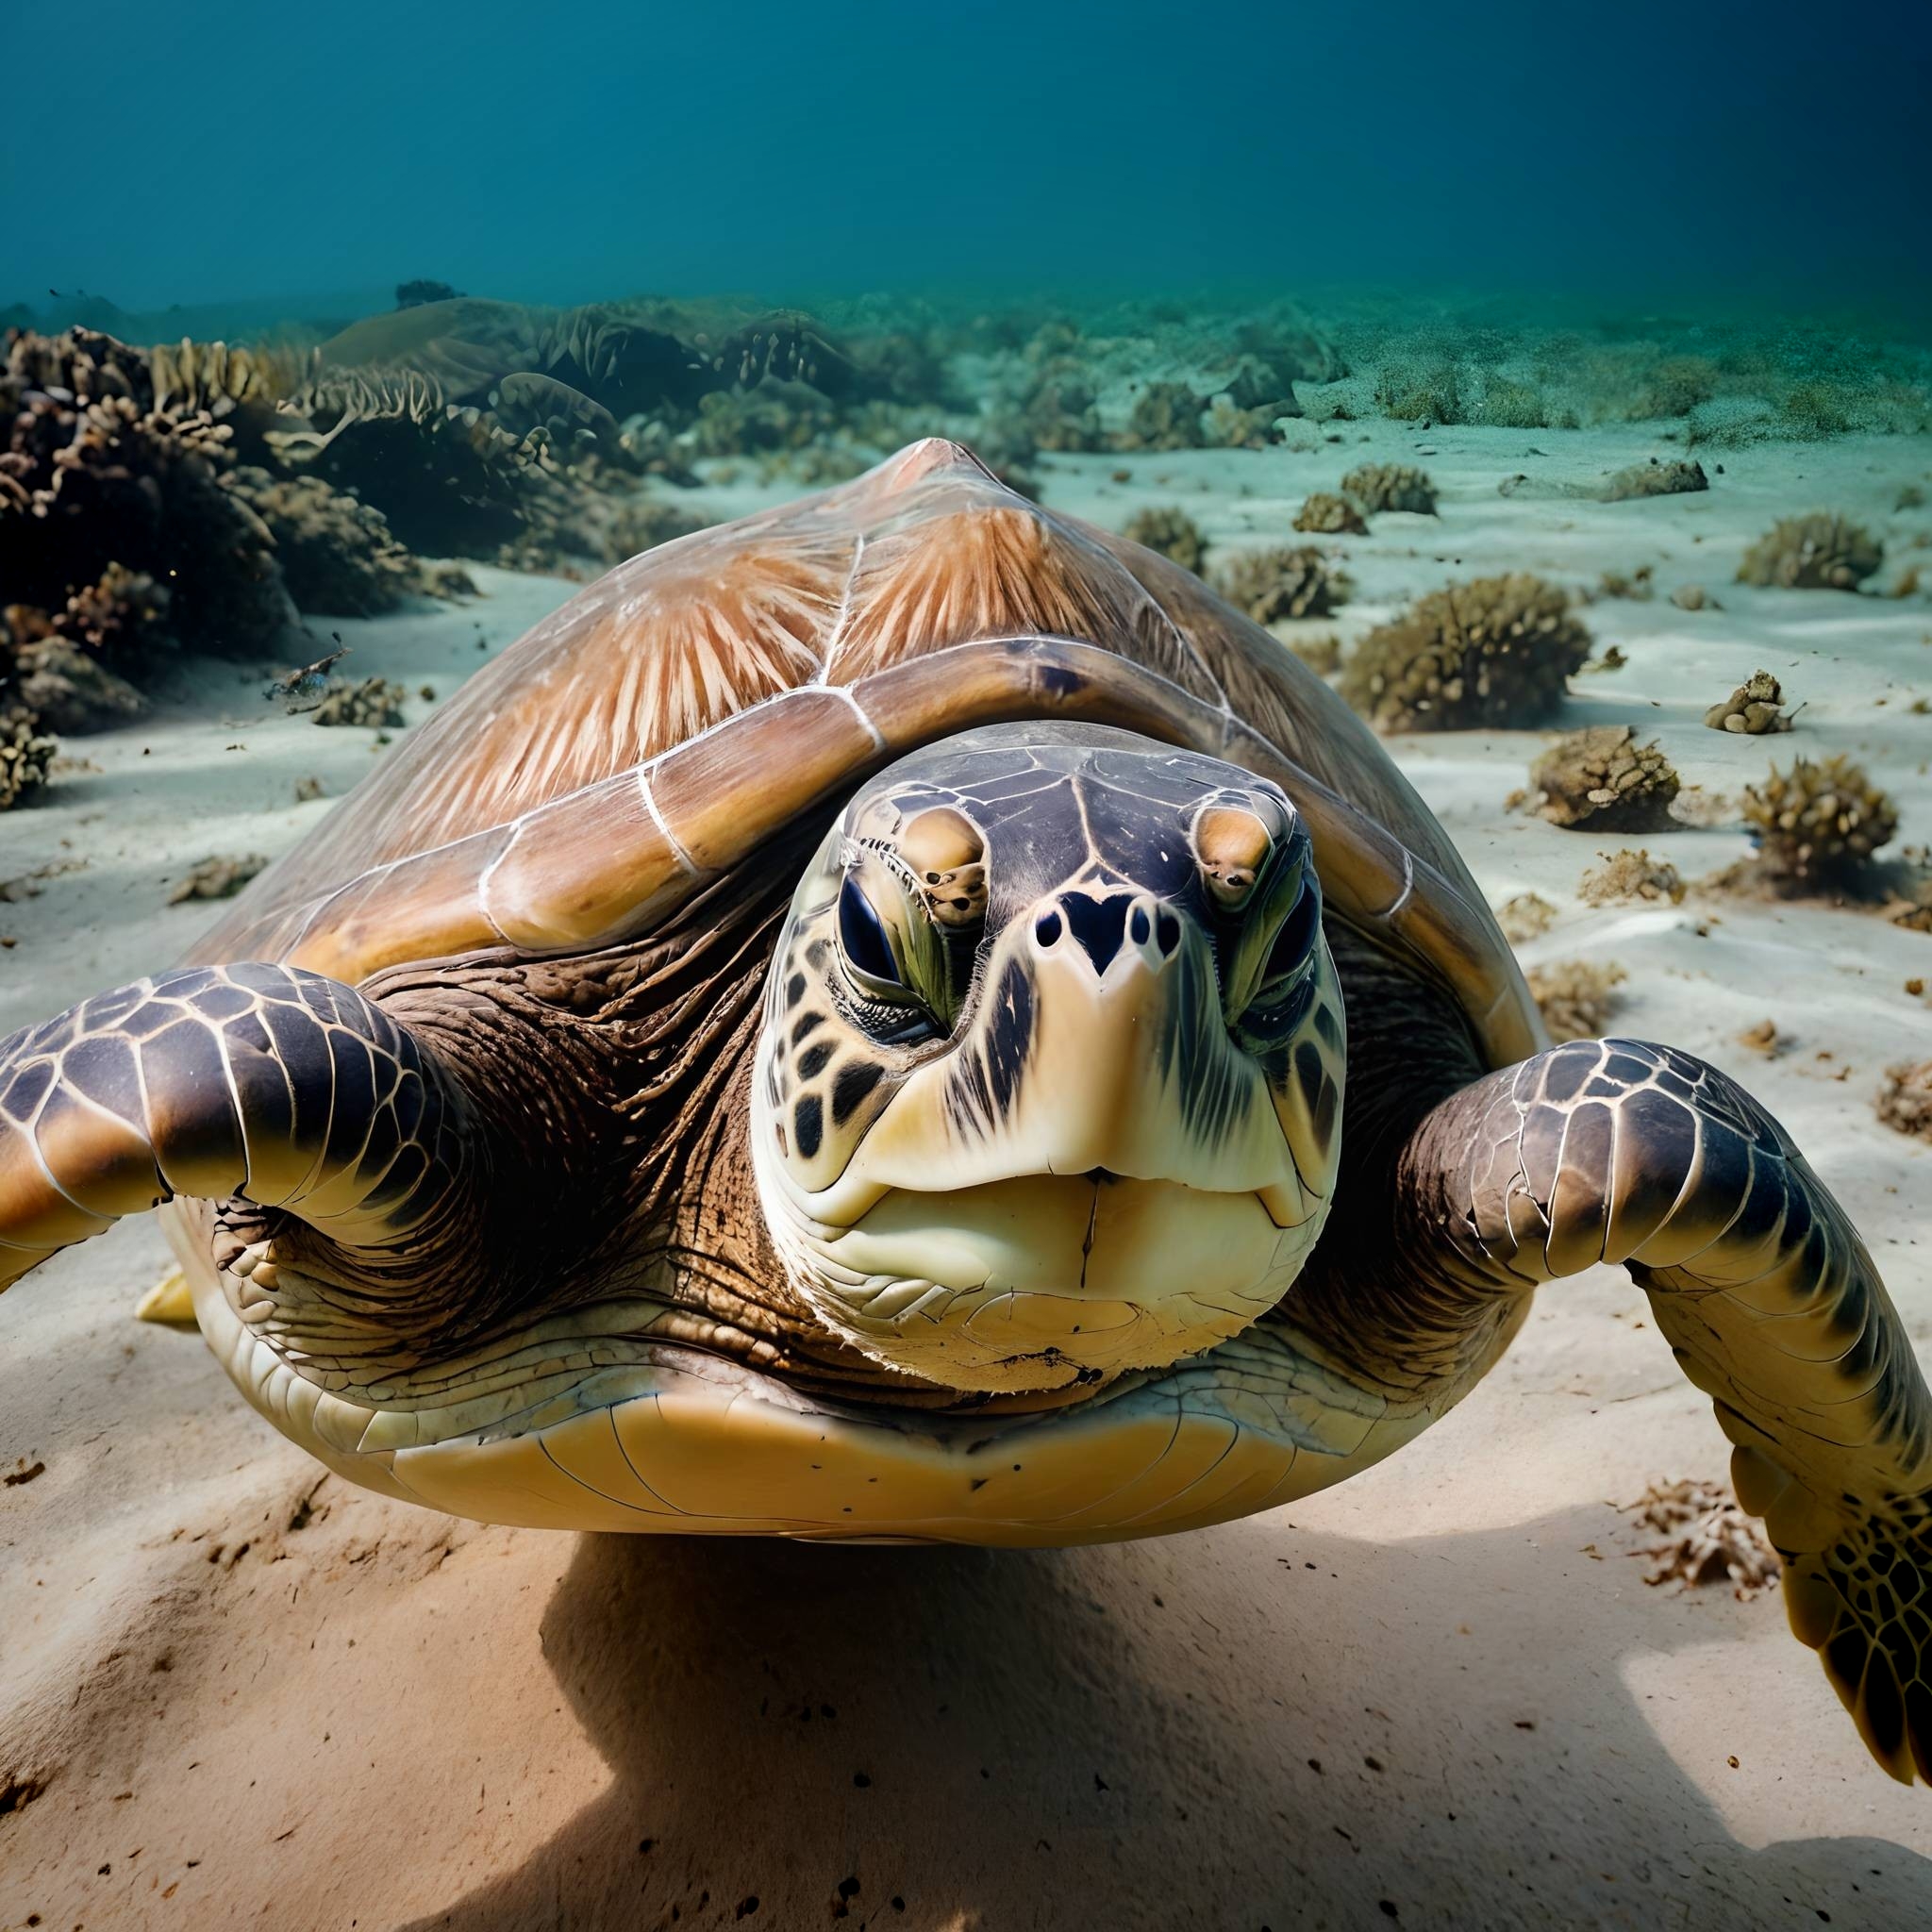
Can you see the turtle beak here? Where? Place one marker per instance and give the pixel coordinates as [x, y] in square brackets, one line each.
[1098, 1047]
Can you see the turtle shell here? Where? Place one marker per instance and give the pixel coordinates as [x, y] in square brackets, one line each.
[655, 731]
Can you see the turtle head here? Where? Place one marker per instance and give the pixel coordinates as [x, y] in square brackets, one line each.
[1049, 1083]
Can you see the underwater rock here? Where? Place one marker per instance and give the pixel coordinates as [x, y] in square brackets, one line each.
[373, 702]
[1818, 824]
[72, 692]
[1578, 998]
[97, 475]
[1753, 708]
[1279, 583]
[1628, 875]
[1603, 779]
[337, 553]
[1391, 487]
[1905, 1102]
[1326, 514]
[1420, 391]
[413, 294]
[1654, 479]
[1819, 551]
[1172, 532]
[1495, 651]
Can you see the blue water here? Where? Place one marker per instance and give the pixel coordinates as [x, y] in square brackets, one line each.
[1716, 157]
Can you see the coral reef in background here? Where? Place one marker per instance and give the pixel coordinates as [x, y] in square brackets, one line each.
[97, 475]
[1391, 487]
[1327, 515]
[1819, 551]
[1819, 824]
[1754, 707]
[1166, 415]
[1603, 779]
[25, 750]
[337, 555]
[1577, 998]
[1494, 651]
[1273, 585]
[1172, 532]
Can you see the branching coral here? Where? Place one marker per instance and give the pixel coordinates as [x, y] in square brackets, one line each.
[1496, 651]
[1390, 486]
[1754, 707]
[1605, 781]
[1577, 998]
[1818, 824]
[1702, 1537]
[1820, 552]
[1172, 532]
[1276, 584]
[1328, 515]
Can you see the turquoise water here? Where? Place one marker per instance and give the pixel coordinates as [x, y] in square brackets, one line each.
[235, 168]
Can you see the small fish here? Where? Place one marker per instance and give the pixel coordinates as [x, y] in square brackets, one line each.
[307, 681]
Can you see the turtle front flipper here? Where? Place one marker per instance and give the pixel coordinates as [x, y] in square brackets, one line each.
[264, 1082]
[1618, 1151]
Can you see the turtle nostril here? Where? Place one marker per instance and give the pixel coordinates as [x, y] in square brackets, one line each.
[1137, 924]
[1046, 928]
[1168, 932]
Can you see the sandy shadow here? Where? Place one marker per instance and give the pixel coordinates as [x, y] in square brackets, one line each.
[1130, 1737]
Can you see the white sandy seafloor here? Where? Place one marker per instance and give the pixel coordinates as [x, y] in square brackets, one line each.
[1440, 1696]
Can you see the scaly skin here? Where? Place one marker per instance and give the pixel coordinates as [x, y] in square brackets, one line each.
[1618, 1151]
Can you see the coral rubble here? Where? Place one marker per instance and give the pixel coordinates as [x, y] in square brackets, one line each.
[1627, 875]
[373, 701]
[1905, 1102]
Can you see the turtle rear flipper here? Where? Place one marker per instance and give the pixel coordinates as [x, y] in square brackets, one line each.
[1618, 1151]
[266, 1082]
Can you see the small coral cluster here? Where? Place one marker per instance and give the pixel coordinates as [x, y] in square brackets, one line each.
[1604, 780]
[1754, 707]
[1577, 998]
[1701, 1535]
[1172, 532]
[1905, 1102]
[1628, 875]
[1276, 584]
[1391, 487]
[1820, 552]
[1493, 651]
[1818, 824]
[1326, 514]
[374, 701]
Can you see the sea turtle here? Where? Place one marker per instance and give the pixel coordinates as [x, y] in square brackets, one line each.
[841, 1033]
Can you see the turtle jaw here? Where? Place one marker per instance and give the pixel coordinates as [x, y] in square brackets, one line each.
[1095, 1178]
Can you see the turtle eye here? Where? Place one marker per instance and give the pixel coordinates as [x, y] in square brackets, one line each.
[862, 939]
